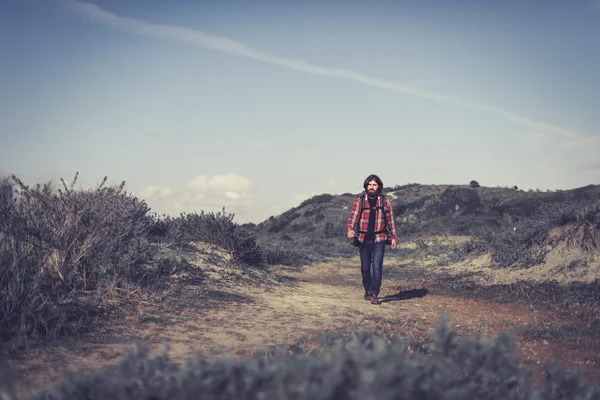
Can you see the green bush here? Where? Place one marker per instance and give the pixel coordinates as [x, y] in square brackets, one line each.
[523, 243]
[60, 249]
[284, 254]
[366, 367]
[215, 228]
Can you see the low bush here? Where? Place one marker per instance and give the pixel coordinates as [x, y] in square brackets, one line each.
[368, 366]
[302, 250]
[524, 242]
[63, 250]
[245, 246]
[285, 254]
[215, 228]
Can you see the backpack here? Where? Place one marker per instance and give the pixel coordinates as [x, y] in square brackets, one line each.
[388, 241]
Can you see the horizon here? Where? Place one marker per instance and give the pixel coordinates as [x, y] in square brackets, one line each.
[204, 105]
[388, 189]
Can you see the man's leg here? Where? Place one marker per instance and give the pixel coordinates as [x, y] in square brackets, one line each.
[378, 251]
[366, 254]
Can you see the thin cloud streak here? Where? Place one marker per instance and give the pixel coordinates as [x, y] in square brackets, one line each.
[200, 39]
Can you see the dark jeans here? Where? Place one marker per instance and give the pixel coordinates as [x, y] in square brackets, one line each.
[371, 254]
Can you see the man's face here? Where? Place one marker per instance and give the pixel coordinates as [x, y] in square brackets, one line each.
[372, 187]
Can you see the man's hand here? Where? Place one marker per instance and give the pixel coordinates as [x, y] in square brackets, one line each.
[350, 234]
[393, 243]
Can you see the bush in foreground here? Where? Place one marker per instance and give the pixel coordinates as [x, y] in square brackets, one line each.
[368, 367]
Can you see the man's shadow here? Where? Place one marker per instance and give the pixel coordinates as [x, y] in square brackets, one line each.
[405, 295]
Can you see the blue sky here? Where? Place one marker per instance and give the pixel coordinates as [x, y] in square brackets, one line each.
[257, 105]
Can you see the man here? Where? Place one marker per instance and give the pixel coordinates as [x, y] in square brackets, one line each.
[372, 234]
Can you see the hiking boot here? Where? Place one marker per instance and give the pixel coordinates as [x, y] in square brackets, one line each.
[368, 296]
[375, 299]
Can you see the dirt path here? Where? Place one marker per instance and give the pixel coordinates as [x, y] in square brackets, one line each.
[322, 298]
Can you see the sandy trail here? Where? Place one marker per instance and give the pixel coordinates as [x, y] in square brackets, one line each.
[321, 298]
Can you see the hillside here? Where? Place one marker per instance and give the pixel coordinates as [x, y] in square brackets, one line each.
[424, 209]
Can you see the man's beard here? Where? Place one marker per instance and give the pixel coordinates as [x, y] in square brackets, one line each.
[372, 193]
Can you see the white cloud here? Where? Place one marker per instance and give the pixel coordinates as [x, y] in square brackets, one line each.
[232, 195]
[204, 40]
[198, 184]
[231, 183]
[203, 193]
[157, 192]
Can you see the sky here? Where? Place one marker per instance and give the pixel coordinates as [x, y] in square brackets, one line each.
[255, 106]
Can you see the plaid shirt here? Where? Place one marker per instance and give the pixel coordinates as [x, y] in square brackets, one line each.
[379, 222]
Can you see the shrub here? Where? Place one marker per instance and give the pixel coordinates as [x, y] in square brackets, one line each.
[310, 213]
[303, 250]
[368, 366]
[219, 229]
[60, 249]
[523, 243]
[284, 254]
[277, 224]
[277, 227]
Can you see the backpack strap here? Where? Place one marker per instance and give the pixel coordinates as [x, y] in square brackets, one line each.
[360, 211]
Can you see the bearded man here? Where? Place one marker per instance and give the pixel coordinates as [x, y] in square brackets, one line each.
[373, 214]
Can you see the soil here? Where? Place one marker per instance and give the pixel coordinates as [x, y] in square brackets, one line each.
[238, 314]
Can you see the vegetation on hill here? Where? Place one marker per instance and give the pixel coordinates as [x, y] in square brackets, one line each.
[513, 225]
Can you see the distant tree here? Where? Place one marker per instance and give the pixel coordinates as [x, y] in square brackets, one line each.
[474, 184]
[515, 187]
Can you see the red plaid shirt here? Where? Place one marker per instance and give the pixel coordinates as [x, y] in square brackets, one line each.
[363, 224]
